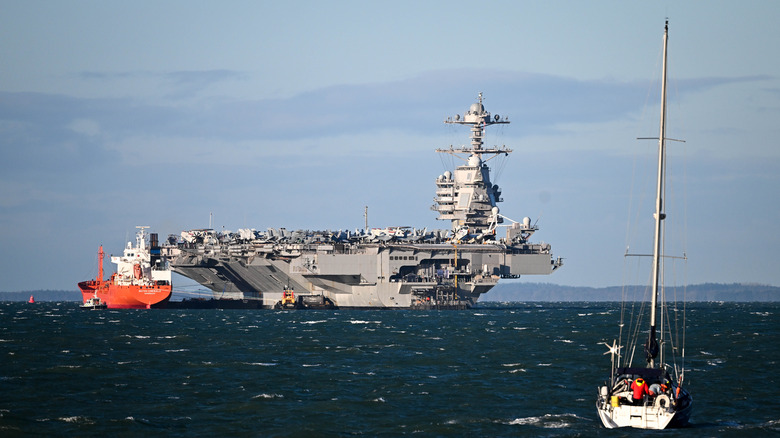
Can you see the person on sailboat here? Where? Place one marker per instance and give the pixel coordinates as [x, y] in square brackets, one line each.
[659, 388]
[640, 390]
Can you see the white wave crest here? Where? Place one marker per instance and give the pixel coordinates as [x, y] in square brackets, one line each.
[76, 419]
[264, 395]
[547, 421]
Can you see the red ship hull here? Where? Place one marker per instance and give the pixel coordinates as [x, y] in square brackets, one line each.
[125, 297]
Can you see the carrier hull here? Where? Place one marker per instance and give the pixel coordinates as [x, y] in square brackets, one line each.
[365, 276]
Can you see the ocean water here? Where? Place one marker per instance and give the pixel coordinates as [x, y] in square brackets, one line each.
[517, 369]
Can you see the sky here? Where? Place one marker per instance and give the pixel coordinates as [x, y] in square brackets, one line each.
[298, 114]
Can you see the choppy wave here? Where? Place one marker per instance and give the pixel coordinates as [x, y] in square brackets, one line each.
[548, 421]
[264, 395]
[490, 372]
[77, 419]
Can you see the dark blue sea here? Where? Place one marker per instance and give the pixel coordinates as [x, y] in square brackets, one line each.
[517, 369]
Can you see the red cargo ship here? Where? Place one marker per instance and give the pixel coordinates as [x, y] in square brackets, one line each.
[142, 278]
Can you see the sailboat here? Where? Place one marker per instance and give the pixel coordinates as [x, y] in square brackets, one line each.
[648, 397]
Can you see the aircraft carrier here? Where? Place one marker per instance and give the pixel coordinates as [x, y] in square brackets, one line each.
[394, 267]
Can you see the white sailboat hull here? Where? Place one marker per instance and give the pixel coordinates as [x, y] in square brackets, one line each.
[657, 414]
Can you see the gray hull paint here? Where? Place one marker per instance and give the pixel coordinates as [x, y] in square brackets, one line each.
[365, 276]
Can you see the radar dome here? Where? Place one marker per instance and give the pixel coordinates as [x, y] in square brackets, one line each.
[474, 161]
[476, 108]
[448, 175]
[526, 221]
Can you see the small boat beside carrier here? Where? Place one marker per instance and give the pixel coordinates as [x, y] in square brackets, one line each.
[308, 301]
[287, 301]
[94, 303]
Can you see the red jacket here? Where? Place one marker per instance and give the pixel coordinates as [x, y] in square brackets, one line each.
[639, 389]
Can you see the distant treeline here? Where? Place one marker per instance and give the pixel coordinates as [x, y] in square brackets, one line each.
[42, 295]
[512, 291]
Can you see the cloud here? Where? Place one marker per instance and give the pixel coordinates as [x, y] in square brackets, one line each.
[189, 83]
[70, 166]
[86, 127]
[201, 77]
[50, 130]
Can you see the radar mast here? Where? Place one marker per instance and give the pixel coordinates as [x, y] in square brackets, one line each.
[467, 197]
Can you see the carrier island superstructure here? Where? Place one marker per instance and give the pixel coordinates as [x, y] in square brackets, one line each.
[394, 267]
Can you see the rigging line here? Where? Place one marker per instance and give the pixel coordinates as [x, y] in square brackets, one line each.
[630, 200]
[630, 330]
[684, 238]
[637, 323]
[680, 325]
[500, 166]
[684, 171]
[685, 314]
[622, 320]
[651, 92]
[629, 271]
[641, 313]
[652, 89]
[676, 342]
[93, 272]
[641, 189]
[624, 282]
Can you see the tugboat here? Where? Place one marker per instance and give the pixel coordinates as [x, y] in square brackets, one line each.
[310, 301]
[94, 303]
[288, 300]
[143, 277]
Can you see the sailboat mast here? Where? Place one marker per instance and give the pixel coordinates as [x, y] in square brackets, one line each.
[651, 349]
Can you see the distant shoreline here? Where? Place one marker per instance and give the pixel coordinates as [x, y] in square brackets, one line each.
[706, 292]
[545, 292]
